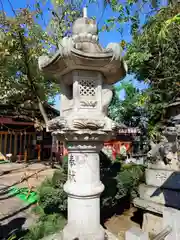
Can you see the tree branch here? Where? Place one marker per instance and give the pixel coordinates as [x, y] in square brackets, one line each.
[28, 72]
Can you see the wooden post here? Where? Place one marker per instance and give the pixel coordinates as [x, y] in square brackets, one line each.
[15, 144]
[25, 155]
[0, 142]
[29, 141]
[39, 152]
[5, 144]
[20, 144]
[10, 143]
[53, 150]
[42, 145]
[25, 148]
[34, 143]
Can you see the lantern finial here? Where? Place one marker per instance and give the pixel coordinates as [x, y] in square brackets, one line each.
[85, 12]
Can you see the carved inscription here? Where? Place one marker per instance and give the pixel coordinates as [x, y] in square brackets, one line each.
[72, 176]
[162, 176]
[72, 173]
[72, 160]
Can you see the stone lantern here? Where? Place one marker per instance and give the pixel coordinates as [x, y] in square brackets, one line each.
[86, 72]
[161, 191]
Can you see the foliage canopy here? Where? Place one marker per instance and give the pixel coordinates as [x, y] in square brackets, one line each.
[154, 58]
[131, 110]
[22, 41]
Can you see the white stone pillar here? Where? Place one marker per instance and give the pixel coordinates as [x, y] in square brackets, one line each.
[84, 188]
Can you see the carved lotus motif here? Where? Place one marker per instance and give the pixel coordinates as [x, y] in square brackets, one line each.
[88, 103]
[56, 124]
[88, 124]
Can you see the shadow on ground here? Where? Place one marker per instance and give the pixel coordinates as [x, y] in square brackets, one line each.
[138, 217]
[111, 205]
[14, 227]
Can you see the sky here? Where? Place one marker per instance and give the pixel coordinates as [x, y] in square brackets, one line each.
[94, 10]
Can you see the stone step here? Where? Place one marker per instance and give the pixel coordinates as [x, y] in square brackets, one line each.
[163, 196]
[163, 178]
[162, 166]
[149, 206]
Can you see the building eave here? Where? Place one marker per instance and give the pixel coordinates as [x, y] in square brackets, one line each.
[11, 121]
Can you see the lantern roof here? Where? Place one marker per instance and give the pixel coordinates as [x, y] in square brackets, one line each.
[83, 51]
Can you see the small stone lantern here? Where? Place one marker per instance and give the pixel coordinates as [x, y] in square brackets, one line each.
[86, 72]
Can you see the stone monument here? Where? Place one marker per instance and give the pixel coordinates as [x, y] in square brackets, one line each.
[86, 72]
[162, 188]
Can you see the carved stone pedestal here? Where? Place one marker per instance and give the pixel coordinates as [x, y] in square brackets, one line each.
[161, 192]
[83, 188]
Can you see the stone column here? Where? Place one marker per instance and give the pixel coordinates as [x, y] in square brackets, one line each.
[83, 188]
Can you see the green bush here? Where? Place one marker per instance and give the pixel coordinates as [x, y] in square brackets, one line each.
[48, 224]
[59, 178]
[52, 197]
[65, 165]
[108, 172]
[128, 180]
[38, 210]
[51, 208]
[120, 180]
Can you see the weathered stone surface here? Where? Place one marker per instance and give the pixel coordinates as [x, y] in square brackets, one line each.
[153, 224]
[165, 154]
[161, 165]
[82, 50]
[152, 218]
[163, 178]
[136, 234]
[149, 205]
[58, 236]
[171, 218]
[163, 196]
[83, 187]
[158, 218]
